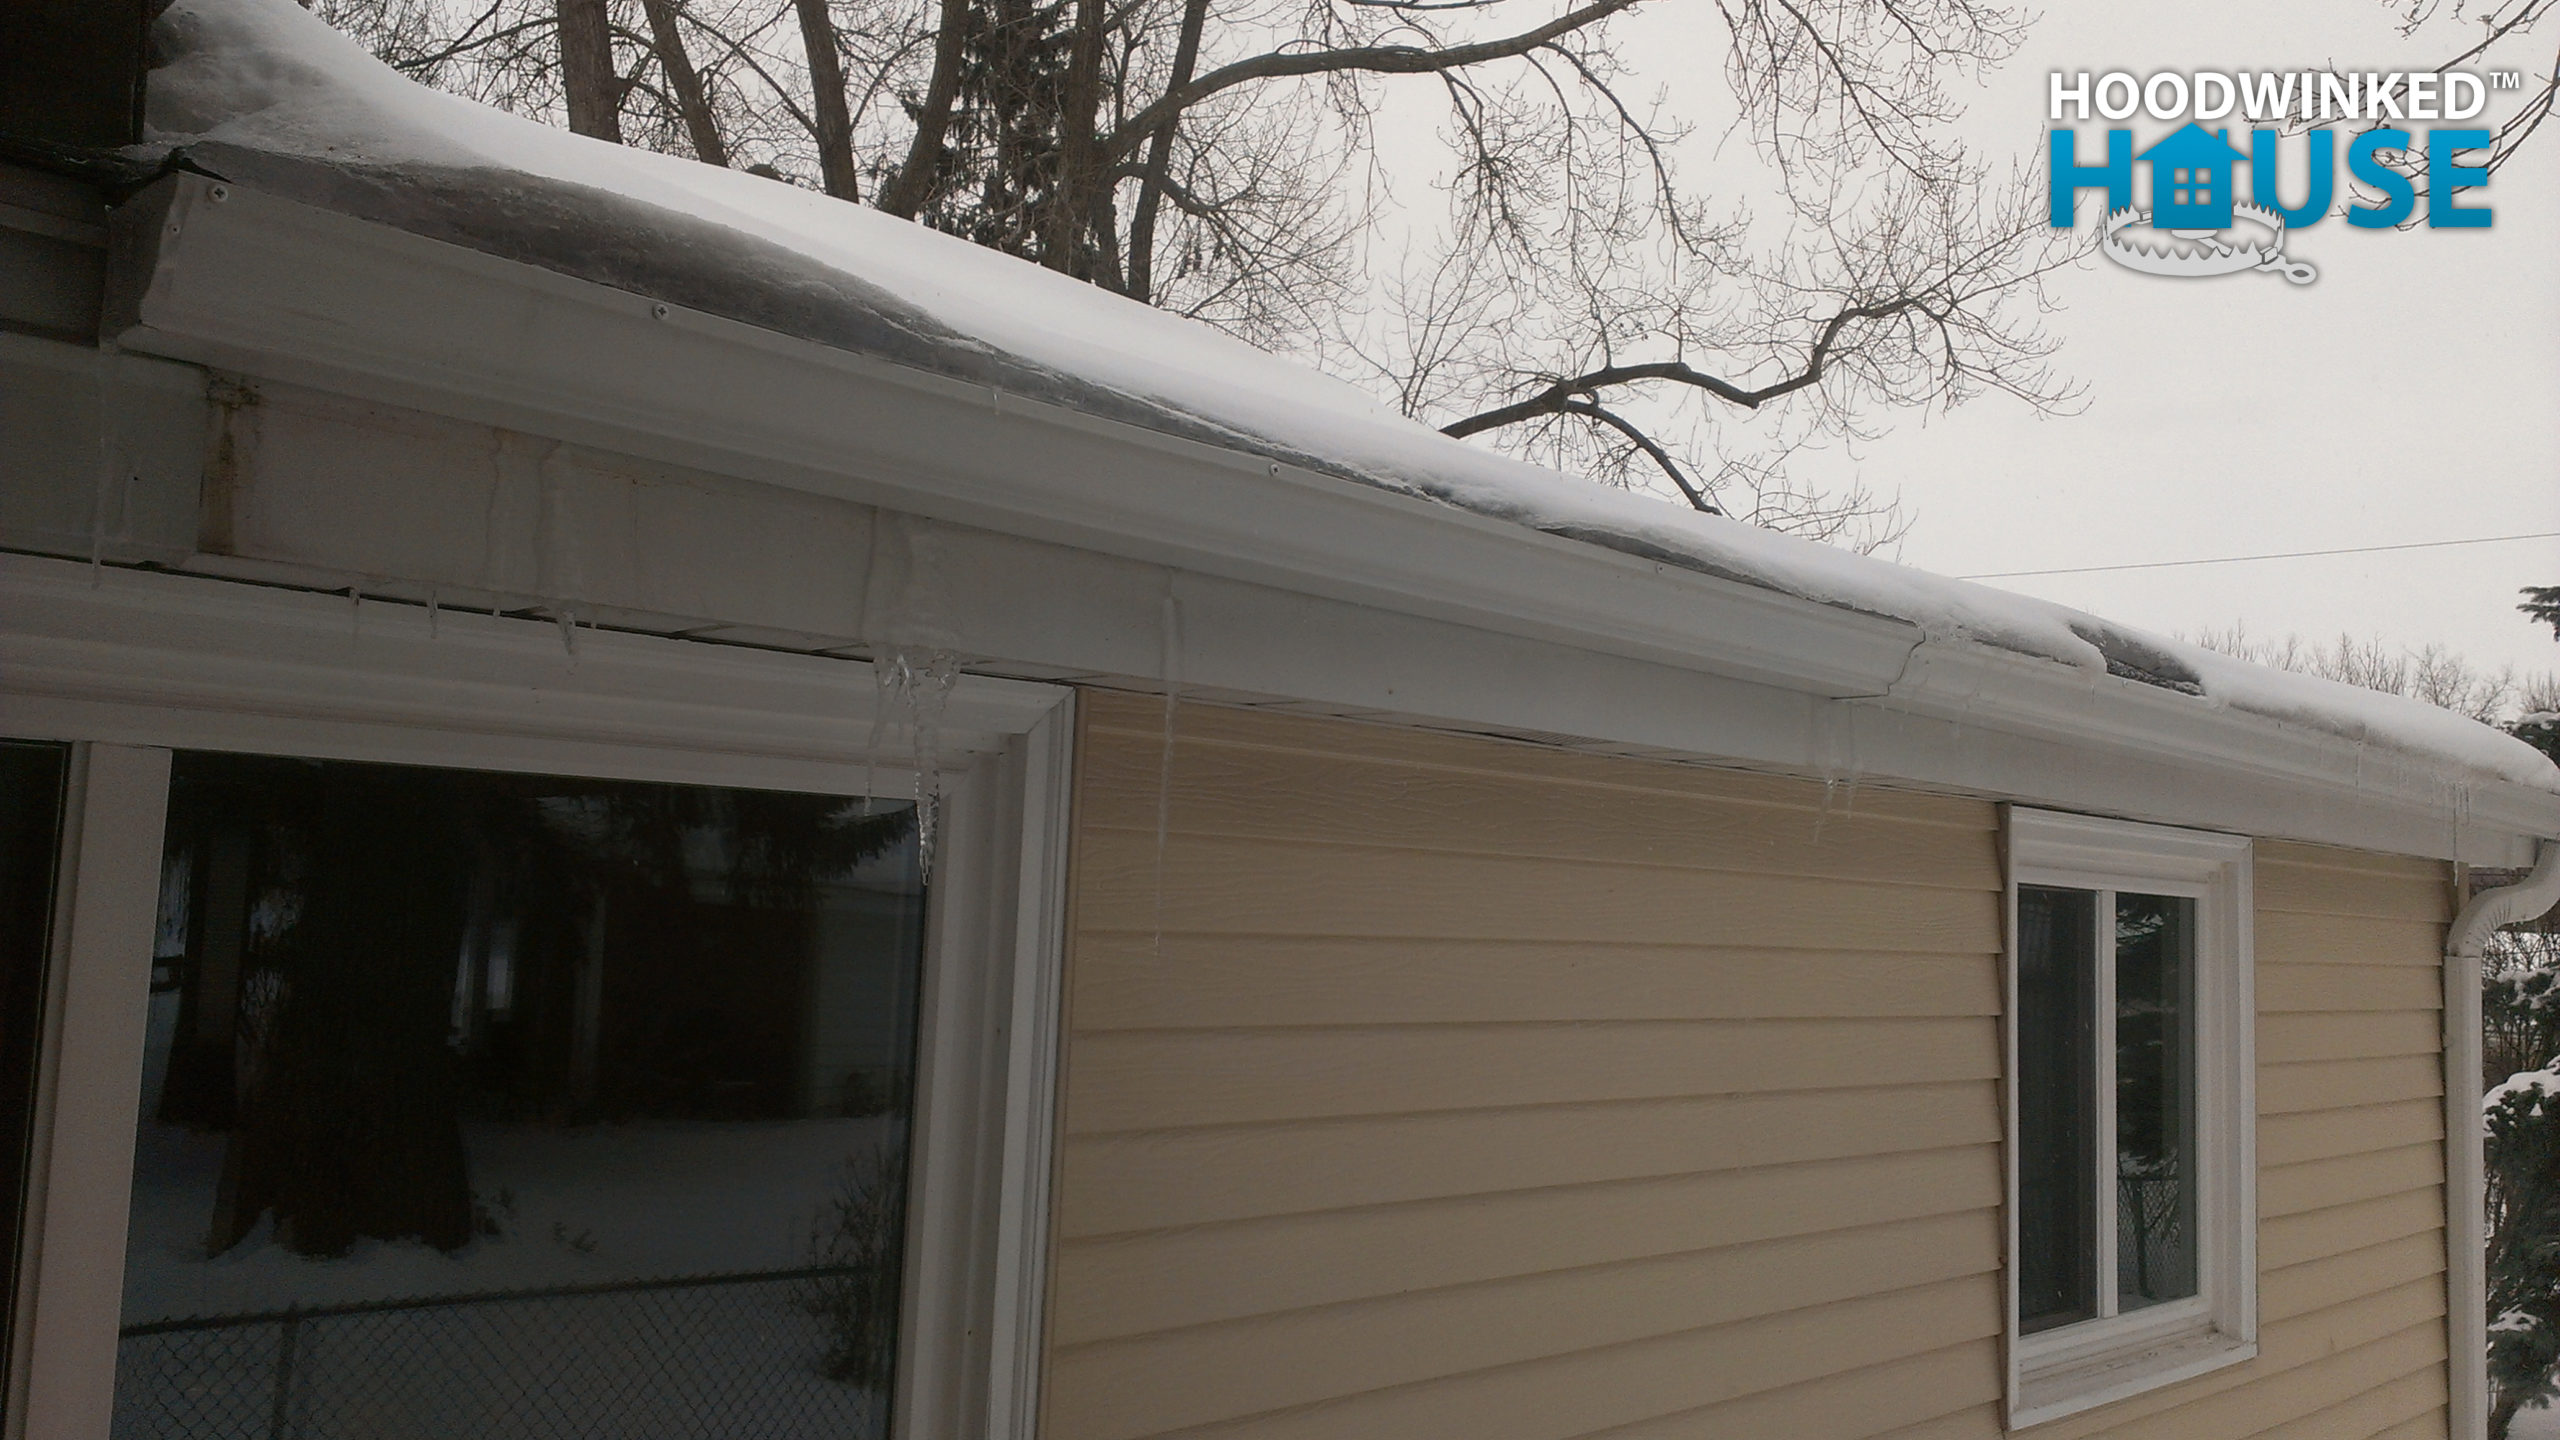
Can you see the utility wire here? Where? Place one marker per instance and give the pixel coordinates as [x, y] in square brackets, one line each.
[2280, 555]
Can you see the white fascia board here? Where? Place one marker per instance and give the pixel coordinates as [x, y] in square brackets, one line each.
[279, 290]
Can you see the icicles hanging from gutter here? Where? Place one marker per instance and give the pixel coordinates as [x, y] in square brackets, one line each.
[1172, 669]
[918, 685]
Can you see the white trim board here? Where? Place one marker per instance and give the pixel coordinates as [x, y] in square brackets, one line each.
[144, 657]
[80, 1185]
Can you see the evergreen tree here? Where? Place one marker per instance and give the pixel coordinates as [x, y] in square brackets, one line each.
[2542, 602]
[2520, 1018]
[2539, 726]
[2520, 1011]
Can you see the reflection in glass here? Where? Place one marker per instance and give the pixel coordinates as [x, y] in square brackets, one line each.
[527, 1097]
[2057, 1107]
[2155, 1100]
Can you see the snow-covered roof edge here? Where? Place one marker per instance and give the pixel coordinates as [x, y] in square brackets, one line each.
[263, 88]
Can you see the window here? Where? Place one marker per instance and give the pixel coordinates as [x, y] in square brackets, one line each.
[502, 1102]
[2132, 1261]
[572, 911]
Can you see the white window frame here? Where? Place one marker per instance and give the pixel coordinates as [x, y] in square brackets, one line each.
[2077, 1367]
[131, 665]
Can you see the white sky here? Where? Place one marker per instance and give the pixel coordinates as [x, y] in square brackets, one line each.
[2407, 395]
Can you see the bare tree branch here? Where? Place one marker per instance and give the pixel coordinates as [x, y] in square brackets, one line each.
[1152, 182]
[1661, 457]
[668, 41]
[586, 70]
[828, 99]
[905, 194]
[1367, 59]
[1558, 395]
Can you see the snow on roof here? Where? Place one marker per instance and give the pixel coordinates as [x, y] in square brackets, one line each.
[265, 93]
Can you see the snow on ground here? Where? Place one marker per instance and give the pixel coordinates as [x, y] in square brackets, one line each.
[578, 1205]
[584, 1205]
[2535, 1425]
[269, 77]
[653, 1365]
[596, 1204]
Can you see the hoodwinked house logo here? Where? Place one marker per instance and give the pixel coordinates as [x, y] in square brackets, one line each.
[2197, 224]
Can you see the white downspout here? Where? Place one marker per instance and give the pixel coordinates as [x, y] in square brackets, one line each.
[2465, 1187]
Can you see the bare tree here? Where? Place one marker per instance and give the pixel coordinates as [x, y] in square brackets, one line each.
[1578, 297]
[2431, 672]
[834, 128]
[684, 83]
[587, 78]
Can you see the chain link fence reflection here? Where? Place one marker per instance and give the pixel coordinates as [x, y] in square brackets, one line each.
[712, 1355]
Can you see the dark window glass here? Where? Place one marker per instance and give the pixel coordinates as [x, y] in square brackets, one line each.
[498, 1105]
[2057, 1107]
[2155, 1100]
[31, 779]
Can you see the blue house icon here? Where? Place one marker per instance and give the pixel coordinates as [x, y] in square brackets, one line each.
[2191, 179]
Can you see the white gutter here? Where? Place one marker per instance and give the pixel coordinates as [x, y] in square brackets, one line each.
[223, 275]
[2465, 1181]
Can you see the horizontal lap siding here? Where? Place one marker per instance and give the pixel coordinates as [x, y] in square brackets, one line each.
[1426, 1086]
[2351, 1241]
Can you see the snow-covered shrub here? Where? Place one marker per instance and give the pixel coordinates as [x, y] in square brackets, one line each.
[2520, 1011]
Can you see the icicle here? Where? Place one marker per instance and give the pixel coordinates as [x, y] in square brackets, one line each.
[98, 532]
[431, 613]
[355, 613]
[568, 630]
[882, 684]
[108, 464]
[927, 691]
[1849, 800]
[1172, 670]
[921, 687]
[1826, 763]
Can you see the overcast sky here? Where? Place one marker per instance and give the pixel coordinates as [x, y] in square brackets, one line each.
[2409, 394]
[2412, 393]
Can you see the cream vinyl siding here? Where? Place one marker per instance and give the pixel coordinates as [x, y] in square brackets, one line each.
[1426, 1086]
